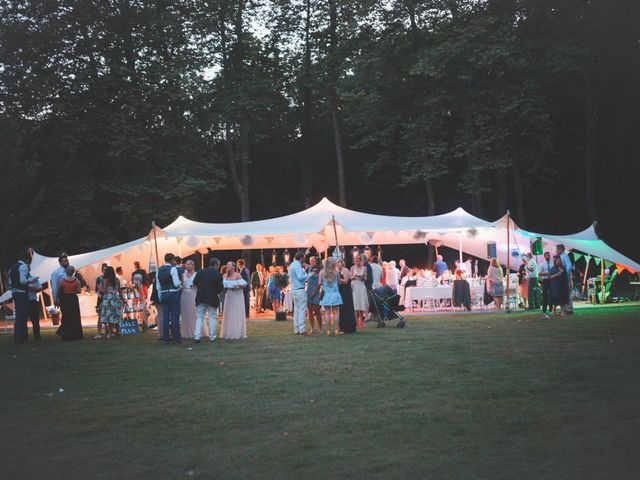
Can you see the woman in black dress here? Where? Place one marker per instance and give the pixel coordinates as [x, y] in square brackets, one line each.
[558, 287]
[347, 313]
[67, 291]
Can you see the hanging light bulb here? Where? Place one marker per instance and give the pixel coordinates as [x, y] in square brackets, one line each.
[274, 257]
[286, 256]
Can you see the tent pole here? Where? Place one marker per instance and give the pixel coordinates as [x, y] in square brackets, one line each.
[326, 246]
[155, 242]
[460, 248]
[586, 276]
[508, 256]
[602, 281]
[335, 232]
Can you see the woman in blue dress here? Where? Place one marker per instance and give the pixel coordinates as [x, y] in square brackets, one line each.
[331, 299]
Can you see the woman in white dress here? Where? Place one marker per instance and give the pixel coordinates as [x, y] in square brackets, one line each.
[234, 320]
[360, 300]
[188, 313]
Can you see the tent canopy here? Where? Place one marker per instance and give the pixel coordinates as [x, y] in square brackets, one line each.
[315, 227]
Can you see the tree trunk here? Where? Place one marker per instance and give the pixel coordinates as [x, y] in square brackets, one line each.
[333, 99]
[306, 160]
[472, 161]
[431, 197]
[591, 119]
[519, 191]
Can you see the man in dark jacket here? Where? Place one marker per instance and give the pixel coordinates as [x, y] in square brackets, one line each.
[246, 276]
[209, 283]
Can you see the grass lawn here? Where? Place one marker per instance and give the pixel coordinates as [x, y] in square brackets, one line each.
[469, 396]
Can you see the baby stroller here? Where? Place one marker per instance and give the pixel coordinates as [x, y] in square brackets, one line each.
[386, 303]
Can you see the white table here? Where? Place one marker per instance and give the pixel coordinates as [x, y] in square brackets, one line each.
[441, 292]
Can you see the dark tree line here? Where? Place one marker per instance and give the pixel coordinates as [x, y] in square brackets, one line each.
[116, 112]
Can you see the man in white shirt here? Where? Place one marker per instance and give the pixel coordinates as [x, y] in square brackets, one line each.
[298, 279]
[534, 287]
[544, 271]
[568, 266]
[58, 274]
[376, 273]
[169, 287]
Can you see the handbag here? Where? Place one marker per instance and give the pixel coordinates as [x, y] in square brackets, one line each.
[487, 298]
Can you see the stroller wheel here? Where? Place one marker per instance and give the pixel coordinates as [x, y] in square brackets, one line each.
[400, 324]
[380, 325]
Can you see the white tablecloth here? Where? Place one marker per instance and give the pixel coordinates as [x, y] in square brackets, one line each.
[441, 292]
[87, 305]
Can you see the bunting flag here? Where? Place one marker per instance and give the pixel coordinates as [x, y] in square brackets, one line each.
[587, 258]
[118, 257]
[596, 260]
[269, 240]
[620, 269]
[179, 240]
[217, 240]
[576, 256]
[608, 264]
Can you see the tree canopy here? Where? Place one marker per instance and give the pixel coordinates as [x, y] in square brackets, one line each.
[117, 112]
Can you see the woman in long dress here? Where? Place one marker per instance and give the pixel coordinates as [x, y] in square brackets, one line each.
[111, 306]
[331, 298]
[558, 287]
[313, 296]
[347, 313]
[523, 282]
[494, 282]
[188, 313]
[67, 291]
[359, 288]
[234, 320]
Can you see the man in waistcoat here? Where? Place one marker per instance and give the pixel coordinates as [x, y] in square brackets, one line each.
[19, 280]
[169, 287]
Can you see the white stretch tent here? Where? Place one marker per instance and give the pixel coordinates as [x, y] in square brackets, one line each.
[315, 227]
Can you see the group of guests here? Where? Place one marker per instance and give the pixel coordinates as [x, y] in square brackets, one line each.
[547, 283]
[187, 298]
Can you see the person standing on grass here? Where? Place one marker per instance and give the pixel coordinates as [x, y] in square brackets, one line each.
[313, 295]
[246, 276]
[67, 291]
[346, 310]
[257, 285]
[58, 274]
[234, 319]
[544, 272]
[567, 266]
[20, 287]
[523, 281]
[534, 286]
[298, 279]
[35, 287]
[359, 277]
[210, 286]
[188, 313]
[494, 282]
[169, 286]
[331, 298]
[559, 290]
[111, 305]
